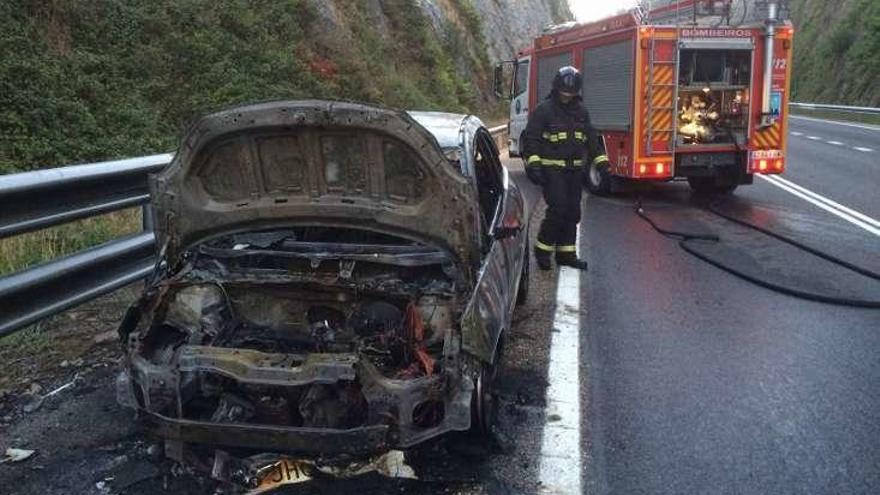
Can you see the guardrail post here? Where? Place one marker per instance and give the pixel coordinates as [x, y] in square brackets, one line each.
[148, 217]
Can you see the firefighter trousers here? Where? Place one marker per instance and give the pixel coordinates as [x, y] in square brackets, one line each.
[562, 193]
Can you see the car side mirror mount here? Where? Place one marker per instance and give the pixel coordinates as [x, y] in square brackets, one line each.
[507, 230]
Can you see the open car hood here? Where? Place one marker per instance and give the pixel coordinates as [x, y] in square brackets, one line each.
[313, 163]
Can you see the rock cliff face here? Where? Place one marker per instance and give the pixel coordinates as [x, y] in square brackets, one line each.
[509, 25]
[466, 36]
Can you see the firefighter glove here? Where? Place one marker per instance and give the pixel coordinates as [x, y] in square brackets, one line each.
[535, 173]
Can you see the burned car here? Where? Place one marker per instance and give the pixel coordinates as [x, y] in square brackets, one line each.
[335, 280]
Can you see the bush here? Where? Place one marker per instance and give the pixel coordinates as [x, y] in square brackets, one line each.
[86, 81]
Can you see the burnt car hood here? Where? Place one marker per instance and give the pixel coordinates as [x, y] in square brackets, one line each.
[313, 163]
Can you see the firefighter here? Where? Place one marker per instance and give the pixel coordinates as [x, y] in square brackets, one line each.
[559, 145]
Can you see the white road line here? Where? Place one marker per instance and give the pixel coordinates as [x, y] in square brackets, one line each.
[829, 202]
[834, 211]
[866, 150]
[561, 446]
[814, 138]
[847, 124]
[835, 143]
[795, 133]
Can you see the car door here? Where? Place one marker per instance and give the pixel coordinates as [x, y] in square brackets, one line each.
[491, 306]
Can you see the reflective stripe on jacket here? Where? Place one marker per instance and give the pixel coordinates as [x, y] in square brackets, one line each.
[561, 135]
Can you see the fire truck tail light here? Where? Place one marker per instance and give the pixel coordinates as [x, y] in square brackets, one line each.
[653, 170]
[766, 162]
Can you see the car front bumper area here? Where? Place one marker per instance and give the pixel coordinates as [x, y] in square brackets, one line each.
[398, 412]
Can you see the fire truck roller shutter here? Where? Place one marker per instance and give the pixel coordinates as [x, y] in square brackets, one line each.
[547, 69]
[608, 85]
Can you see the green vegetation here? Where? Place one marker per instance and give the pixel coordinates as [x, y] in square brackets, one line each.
[85, 81]
[408, 66]
[837, 51]
[23, 251]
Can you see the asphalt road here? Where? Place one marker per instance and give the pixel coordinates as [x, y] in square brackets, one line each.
[836, 164]
[691, 380]
[700, 382]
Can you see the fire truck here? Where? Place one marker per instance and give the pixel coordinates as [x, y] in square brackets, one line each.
[695, 90]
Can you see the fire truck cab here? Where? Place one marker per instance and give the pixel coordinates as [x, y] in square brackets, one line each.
[691, 89]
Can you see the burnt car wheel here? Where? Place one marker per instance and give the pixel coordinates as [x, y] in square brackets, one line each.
[522, 291]
[484, 407]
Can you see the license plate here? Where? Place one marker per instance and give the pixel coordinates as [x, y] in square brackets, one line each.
[281, 473]
[766, 154]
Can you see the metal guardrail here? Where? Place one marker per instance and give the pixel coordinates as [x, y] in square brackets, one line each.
[500, 135]
[36, 200]
[837, 108]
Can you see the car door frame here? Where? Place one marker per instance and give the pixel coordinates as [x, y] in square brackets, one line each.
[490, 309]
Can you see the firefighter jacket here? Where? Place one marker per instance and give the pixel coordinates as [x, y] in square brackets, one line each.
[560, 135]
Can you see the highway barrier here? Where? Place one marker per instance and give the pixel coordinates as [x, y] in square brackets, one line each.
[836, 108]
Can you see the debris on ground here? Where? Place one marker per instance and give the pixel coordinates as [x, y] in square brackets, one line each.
[281, 472]
[37, 402]
[104, 337]
[17, 455]
[390, 464]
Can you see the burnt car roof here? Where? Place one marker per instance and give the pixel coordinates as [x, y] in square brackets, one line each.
[313, 161]
[446, 127]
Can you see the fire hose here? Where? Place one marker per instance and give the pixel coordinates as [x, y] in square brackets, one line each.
[685, 238]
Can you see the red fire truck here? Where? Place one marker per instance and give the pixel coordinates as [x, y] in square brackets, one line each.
[690, 89]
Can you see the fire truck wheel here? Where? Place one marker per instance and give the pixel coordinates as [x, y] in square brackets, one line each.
[707, 185]
[599, 180]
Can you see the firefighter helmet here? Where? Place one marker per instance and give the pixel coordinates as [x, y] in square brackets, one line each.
[568, 80]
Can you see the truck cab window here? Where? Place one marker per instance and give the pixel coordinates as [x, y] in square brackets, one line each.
[521, 81]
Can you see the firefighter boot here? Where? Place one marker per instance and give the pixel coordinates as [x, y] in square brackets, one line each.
[543, 258]
[570, 259]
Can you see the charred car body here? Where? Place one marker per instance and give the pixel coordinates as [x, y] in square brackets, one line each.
[334, 280]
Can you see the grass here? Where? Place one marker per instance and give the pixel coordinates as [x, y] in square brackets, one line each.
[27, 250]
